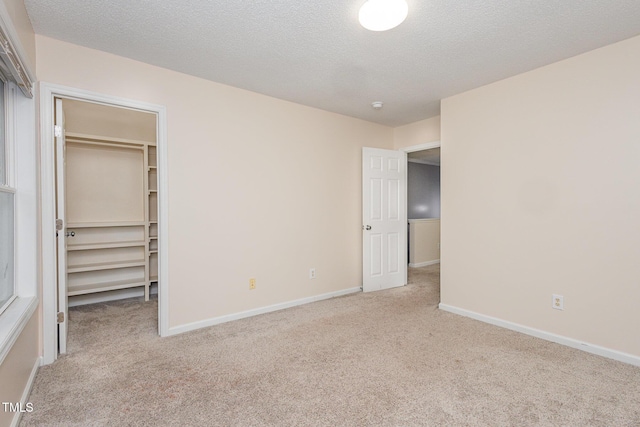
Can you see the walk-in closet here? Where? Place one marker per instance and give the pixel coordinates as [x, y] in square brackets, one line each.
[111, 202]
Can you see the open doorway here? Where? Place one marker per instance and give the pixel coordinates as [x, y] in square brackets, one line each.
[107, 207]
[423, 211]
[423, 207]
[117, 246]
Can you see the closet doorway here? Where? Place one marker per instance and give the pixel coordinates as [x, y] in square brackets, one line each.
[107, 202]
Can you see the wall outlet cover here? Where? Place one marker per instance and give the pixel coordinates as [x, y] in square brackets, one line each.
[557, 302]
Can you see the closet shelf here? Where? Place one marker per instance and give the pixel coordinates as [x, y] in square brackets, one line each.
[153, 278]
[105, 266]
[105, 224]
[110, 245]
[99, 139]
[102, 287]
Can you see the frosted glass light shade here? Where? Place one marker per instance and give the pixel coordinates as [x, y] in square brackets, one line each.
[382, 15]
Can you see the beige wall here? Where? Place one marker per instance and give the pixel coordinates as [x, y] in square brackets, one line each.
[417, 133]
[22, 25]
[424, 241]
[96, 119]
[16, 368]
[540, 195]
[258, 187]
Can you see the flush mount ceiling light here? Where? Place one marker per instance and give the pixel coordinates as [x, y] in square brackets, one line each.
[382, 15]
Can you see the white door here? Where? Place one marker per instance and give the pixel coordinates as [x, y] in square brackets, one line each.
[61, 228]
[384, 219]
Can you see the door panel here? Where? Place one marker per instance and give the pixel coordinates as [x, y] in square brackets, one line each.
[376, 199]
[394, 253]
[384, 216]
[394, 200]
[375, 246]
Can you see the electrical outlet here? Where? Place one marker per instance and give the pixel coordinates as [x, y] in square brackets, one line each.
[312, 273]
[558, 302]
[252, 283]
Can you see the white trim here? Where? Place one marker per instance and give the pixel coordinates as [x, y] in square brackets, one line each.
[256, 311]
[548, 336]
[163, 222]
[421, 147]
[47, 182]
[14, 320]
[424, 264]
[27, 391]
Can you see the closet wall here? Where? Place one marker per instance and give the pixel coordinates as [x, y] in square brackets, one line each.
[111, 201]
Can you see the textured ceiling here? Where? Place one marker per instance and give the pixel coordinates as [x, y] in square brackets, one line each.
[315, 52]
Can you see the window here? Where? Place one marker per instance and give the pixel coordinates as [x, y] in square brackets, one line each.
[6, 248]
[18, 190]
[7, 216]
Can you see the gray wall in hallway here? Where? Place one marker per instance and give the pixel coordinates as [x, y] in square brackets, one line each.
[423, 191]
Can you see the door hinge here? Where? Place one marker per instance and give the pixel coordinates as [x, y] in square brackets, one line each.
[57, 131]
[59, 224]
[60, 317]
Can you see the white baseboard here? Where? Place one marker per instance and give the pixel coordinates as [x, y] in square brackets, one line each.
[559, 339]
[424, 264]
[119, 294]
[27, 391]
[262, 310]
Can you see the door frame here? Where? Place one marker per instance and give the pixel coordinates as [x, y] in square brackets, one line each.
[47, 93]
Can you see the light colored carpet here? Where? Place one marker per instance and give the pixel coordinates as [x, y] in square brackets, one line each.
[388, 358]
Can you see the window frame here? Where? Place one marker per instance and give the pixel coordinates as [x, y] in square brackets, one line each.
[7, 185]
[19, 149]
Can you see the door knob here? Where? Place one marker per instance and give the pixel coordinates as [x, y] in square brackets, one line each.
[366, 227]
[70, 233]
